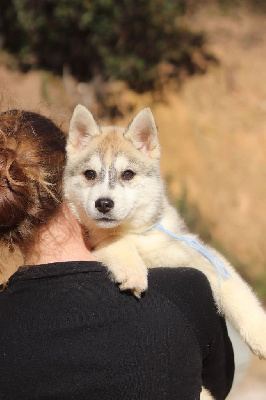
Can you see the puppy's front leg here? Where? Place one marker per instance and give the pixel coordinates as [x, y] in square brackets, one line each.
[125, 265]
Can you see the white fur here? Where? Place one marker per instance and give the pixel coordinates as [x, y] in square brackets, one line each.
[205, 395]
[119, 241]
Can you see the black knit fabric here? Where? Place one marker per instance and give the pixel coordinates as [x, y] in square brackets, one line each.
[67, 332]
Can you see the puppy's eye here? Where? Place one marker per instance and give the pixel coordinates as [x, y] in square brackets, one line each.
[90, 174]
[128, 175]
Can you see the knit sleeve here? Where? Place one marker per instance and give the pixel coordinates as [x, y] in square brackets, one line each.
[189, 290]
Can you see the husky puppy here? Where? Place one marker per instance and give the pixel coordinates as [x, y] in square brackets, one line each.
[114, 187]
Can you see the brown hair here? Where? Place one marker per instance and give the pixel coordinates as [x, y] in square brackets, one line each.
[32, 159]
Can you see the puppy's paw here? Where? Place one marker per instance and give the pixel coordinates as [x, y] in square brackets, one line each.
[259, 351]
[259, 348]
[136, 283]
[133, 279]
[125, 267]
[256, 340]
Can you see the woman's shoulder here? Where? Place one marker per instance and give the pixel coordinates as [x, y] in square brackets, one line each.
[174, 280]
[189, 291]
[185, 287]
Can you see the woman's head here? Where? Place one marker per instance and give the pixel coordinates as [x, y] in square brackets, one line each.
[32, 159]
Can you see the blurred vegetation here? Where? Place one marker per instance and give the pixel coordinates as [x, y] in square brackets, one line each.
[119, 39]
[259, 285]
[115, 39]
[192, 216]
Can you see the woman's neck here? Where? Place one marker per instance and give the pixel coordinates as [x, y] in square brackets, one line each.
[62, 240]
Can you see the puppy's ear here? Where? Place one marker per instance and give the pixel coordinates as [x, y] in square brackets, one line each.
[82, 128]
[142, 131]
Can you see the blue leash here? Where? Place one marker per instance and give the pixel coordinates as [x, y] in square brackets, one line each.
[195, 245]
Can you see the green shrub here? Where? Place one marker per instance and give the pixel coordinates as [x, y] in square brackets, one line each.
[121, 39]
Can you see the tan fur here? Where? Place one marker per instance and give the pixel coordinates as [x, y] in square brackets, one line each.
[122, 245]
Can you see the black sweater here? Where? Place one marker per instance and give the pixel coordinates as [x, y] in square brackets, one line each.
[67, 332]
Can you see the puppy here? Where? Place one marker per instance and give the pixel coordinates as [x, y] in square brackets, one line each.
[114, 187]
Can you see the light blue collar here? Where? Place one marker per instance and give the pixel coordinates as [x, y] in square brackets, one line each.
[203, 250]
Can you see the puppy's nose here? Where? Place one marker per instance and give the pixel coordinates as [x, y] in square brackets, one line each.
[104, 205]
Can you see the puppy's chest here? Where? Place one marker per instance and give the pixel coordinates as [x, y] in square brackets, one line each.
[157, 249]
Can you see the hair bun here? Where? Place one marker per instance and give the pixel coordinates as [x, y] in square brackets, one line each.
[14, 190]
[7, 156]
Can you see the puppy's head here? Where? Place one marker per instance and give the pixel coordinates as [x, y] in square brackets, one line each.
[113, 173]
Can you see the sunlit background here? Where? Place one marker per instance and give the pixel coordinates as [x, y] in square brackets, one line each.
[201, 67]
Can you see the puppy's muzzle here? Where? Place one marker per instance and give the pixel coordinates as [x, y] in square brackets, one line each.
[104, 205]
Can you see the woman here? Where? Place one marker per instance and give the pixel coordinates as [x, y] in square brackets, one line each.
[66, 331]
